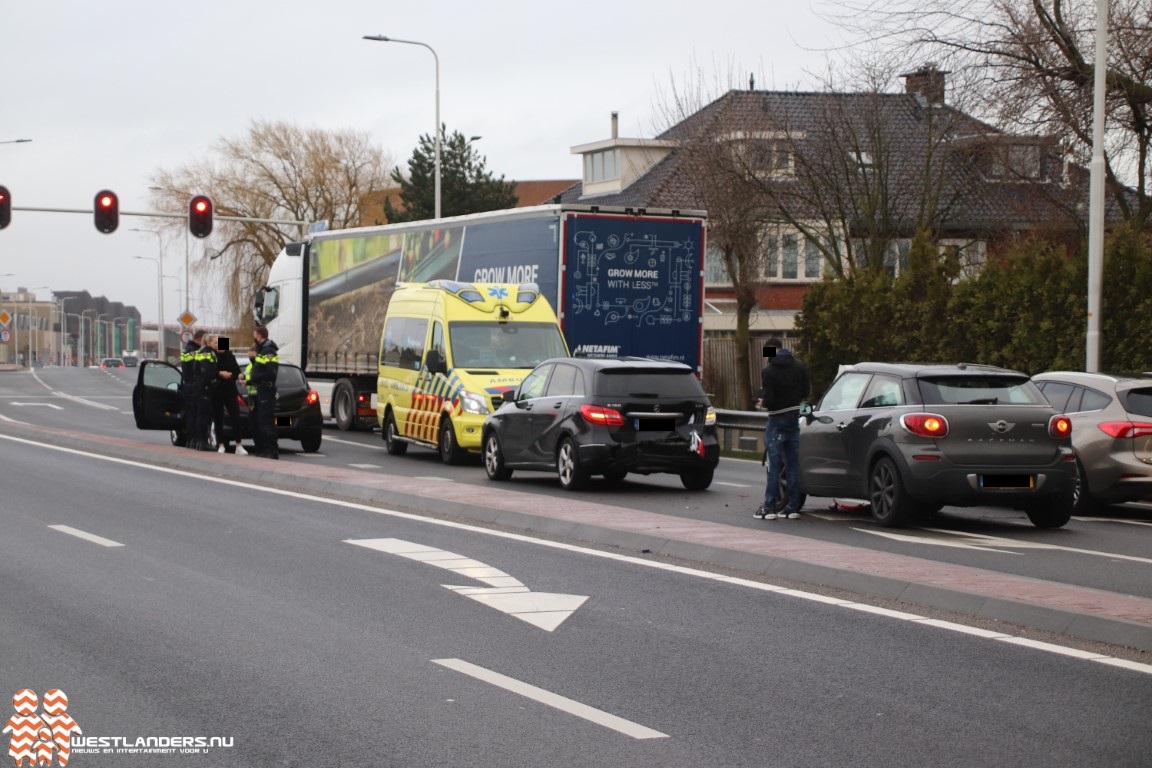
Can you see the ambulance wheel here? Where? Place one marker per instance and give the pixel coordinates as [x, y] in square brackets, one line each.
[450, 450]
[392, 443]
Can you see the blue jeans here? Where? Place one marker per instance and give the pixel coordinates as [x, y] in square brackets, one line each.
[782, 437]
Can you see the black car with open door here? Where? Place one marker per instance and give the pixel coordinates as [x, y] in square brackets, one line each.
[157, 403]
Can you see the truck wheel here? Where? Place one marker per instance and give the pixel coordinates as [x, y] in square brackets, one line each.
[450, 450]
[344, 408]
[392, 443]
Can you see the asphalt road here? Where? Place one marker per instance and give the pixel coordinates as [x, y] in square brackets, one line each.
[305, 631]
[1111, 553]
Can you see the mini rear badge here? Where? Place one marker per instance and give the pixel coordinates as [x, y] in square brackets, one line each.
[1001, 426]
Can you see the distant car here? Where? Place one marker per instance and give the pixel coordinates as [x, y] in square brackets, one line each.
[580, 417]
[911, 439]
[111, 362]
[1111, 433]
[130, 361]
[158, 404]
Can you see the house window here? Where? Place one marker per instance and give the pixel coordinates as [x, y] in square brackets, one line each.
[791, 256]
[970, 255]
[715, 273]
[863, 159]
[601, 166]
[1016, 161]
[766, 158]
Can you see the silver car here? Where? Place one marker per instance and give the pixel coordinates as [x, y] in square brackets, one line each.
[1111, 433]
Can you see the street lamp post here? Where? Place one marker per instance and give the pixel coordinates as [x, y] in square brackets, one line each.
[383, 39]
[161, 347]
[79, 337]
[101, 334]
[32, 338]
[85, 339]
[63, 325]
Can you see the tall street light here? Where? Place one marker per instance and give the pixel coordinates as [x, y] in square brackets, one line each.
[63, 324]
[101, 334]
[31, 338]
[161, 345]
[383, 39]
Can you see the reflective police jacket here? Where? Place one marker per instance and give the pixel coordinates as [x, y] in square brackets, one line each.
[265, 363]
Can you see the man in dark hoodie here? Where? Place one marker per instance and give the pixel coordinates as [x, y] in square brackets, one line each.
[783, 386]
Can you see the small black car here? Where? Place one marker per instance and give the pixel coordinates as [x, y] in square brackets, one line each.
[158, 404]
[580, 417]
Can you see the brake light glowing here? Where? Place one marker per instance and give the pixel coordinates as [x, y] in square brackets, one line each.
[925, 424]
[1060, 426]
[597, 414]
[312, 397]
[1126, 429]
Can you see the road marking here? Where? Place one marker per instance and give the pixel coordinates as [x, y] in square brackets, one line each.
[44, 405]
[1145, 669]
[914, 539]
[505, 593]
[554, 700]
[1000, 541]
[86, 536]
[365, 466]
[1112, 520]
[731, 485]
[82, 401]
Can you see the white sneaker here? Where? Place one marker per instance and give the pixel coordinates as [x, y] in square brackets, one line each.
[793, 515]
[771, 516]
[240, 450]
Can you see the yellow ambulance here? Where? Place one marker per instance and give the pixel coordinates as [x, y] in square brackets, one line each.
[448, 351]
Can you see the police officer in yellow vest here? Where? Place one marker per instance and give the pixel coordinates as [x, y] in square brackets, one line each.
[265, 363]
[188, 417]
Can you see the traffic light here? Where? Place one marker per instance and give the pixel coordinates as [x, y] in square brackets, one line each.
[200, 216]
[5, 207]
[106, 209]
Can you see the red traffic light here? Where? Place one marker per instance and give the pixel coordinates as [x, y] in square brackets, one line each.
[200, 216]
[5, 207]
[106, 211]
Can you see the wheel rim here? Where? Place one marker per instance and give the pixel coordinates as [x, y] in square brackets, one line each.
[492, 455]
[566, 466]
[883, 490]
[342, 407]
[390, 431]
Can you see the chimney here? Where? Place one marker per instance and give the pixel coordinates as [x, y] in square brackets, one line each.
[927, 82]
[615, 125]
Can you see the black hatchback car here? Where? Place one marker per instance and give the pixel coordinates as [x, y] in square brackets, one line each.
[580, 417]
[913, 438]
[157, 404]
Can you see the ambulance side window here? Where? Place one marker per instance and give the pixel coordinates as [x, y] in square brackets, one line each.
[403, 344]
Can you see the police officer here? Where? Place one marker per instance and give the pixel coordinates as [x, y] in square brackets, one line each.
[204, 384]
[188, 418]
[265, 363]
[224, 395]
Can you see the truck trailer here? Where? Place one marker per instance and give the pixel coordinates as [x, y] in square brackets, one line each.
[623, 282]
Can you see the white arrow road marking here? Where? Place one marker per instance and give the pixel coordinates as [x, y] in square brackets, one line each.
[504, 593]
[912, 539]
[564, 704]
[47, 405]
[994, 543]
[85, 535]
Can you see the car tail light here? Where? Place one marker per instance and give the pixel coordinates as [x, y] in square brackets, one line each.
[312, 397]
[1124, 429]
[240, 399]
[925, 424]
[1060, 426]
[596, 414]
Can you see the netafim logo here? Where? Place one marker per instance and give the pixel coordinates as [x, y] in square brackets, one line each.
[38, 738]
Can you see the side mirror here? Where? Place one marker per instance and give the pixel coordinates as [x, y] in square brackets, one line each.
[507, 396]
[435, 362]
[806, 412]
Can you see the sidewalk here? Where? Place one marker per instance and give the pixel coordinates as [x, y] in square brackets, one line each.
[1090, 614]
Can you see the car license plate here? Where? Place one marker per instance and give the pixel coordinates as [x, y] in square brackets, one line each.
[655, 425]
[1008, 482]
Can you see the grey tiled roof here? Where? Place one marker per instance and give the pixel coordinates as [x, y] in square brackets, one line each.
[977, 203]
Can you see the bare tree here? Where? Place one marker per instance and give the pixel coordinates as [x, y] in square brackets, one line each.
[278, 171]
[714, 174]
[1030, 66]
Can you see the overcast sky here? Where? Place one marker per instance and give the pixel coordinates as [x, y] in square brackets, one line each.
[110, 91]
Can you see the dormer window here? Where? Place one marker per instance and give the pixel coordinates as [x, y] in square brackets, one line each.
[766, 154]
[1015, 161]
[602, 165]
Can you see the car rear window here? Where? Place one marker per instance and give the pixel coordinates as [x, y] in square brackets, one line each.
[1137, 401]
[289, 377]
[626, 382]
[980, 390]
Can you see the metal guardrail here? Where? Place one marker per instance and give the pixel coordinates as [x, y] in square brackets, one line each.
[741, 430]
